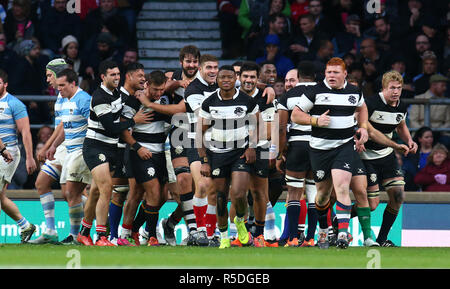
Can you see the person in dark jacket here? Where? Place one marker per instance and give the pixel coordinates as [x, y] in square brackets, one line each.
[57, 23]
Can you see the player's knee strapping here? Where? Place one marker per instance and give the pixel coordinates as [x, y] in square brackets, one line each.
[310, 190]
[121, 189]
[295, 182]
[180, 170]
[393, 183]
[373, 194]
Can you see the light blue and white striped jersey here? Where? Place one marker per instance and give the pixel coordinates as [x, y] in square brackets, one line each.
[75, 115]
[11, 109]
[58, 106]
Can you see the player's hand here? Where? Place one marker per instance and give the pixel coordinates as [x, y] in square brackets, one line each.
[50, 155]
[249, 155]
[279, 164]
[31, 165]
[144, 153]
[412, 146]
[270, 92]
[205, 170]
[324, 119]
[363, 135]
[184, 83]
[360, 147]
[143, 117]
[141, 95]
[7, 156]
[40, 155]
[403, 149]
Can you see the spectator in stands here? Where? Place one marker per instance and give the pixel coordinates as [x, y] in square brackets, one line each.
[374, 62]
[446, 53]
[341, 10]
[71, 53]
[413, 163]
[104, 50]
[299, 8]
[356, 71]
[435, 176]
[106, 18]
[415, 53]
[412, 18]
[130, 55]
[253, 17]
[323, 23]
[278, 87]
[44, 133]
[28, 74]
[350, 39]
[18, 24]
[324, 53]
[435, 36]
[388, 11]
[230, 30]
[28, 78]
[8, 58]
[421, 82]
[386, 38]
[282, 63]
[276, 26]
[439, 114]
[86, 7]
[57, 23]
[280, 6]
[306, 42]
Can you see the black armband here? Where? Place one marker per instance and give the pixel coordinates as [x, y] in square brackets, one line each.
[136, 146]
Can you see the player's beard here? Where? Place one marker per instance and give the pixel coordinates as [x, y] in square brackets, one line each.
[189, 75]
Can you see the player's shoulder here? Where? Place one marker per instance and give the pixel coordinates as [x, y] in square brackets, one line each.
[13, 100]
[83, 95]
[196, 86]
[402, 106]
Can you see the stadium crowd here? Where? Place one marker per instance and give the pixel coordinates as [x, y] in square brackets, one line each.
[289, 51]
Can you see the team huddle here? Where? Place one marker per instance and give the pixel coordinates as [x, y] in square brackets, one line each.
[205, 135]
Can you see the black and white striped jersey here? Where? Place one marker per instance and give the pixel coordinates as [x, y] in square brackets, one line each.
[295, 132]
[267, 112]
[196, 92]
[151, 135]
[178, 94]
[103, 103]
[342, 104]
[125, 95]
[231, 121]
[384, 118]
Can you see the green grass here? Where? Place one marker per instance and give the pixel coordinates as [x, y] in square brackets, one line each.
[51, 256]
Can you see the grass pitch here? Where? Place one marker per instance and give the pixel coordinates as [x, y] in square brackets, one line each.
[53, 256]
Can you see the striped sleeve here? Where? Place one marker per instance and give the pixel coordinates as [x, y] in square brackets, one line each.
[305, 103]
[204, 111]
[19, 110]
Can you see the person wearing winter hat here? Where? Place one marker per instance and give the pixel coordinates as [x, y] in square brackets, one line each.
[71, 53]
